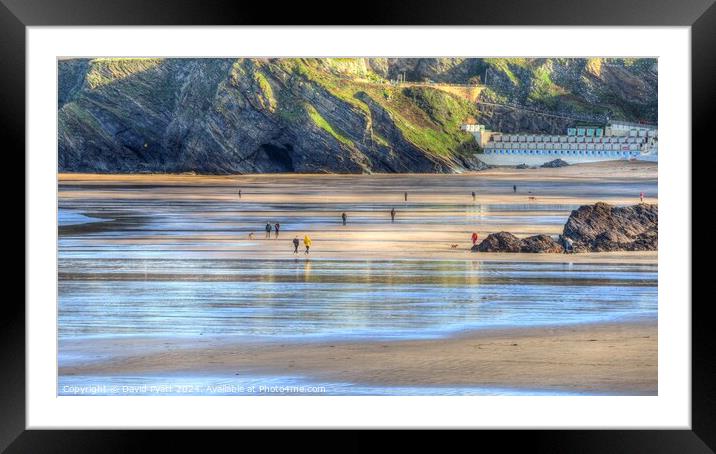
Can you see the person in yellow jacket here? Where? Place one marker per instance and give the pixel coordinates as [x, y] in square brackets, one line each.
[307, 242]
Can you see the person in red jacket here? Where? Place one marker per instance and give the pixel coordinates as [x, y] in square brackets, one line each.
[474, 238]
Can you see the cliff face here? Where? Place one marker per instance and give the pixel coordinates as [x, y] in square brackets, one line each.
[253, 116]
[621, 88]
[268, 115]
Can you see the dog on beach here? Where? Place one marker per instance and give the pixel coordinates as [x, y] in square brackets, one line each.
[251, 236]
[531, 198]
[453, 246]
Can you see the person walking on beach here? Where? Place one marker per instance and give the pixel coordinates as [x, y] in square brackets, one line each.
[474, 238]
[344, 217]
[406, 196]
[307, 242]
[641, 197]
[239, 193]
[276, 227]
[473, 196]
[392, 215]
[514, 188]
[268, 230]
[295, 245]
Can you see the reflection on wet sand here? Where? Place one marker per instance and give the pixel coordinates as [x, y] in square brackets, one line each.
[153, 256]
[395, 299]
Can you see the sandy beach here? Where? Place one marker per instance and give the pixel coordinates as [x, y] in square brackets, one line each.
[620, 357]
[164, 279]
[435, 223]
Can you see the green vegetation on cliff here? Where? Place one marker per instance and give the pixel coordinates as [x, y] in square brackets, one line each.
[313, 114]
[618, 88]
[428, 118]
[321, 122]
[107, 70]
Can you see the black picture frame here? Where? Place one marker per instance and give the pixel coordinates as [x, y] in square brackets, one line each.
[16, 15]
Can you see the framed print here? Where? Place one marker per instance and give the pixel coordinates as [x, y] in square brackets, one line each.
[446, 217]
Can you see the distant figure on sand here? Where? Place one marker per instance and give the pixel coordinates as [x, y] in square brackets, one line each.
[344, 217]
[406, 196]
[295, 245]
[239, 193]
[514, 188]
[268, 229]
[307, 242]
[276, 227]
[473, 196]
[474, 238]
[251, 235]
[392, 215]
[641, 197]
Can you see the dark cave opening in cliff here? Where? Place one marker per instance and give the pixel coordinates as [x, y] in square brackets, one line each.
[280, 156]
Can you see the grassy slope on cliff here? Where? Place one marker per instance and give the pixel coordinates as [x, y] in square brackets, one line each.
[428, 118]
[151, 111]
[621, 88]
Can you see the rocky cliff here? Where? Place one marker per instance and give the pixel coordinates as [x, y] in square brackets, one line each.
[555, 88]
[287, 115]
[586, 88]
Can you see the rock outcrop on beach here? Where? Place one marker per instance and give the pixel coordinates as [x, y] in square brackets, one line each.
[499, 242]
[555, 163]
[603, 227]
[540, 244]
[507, 242]
[592, 228]
[337, 115]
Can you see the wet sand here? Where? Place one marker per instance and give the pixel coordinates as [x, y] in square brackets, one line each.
[434, 224]
[619, 358]
[195, 221]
